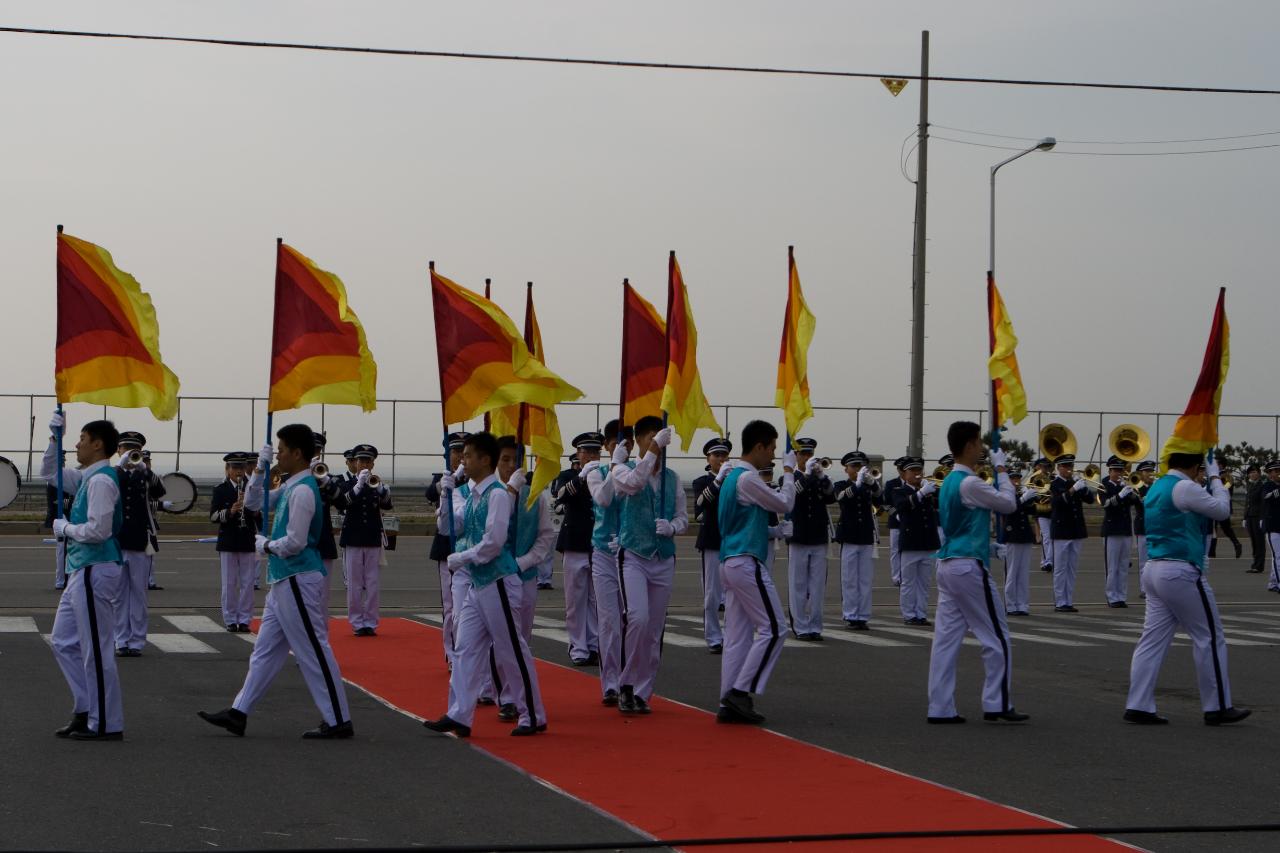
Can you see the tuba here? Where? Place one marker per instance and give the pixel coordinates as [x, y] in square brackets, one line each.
[1130, 442]
[1056, 440]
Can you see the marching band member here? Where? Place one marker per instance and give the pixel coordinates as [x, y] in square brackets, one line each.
[154, 505]
[1253, 519]
[574, 543]
[1044, 518]
[606, 558]
[856, 534]
[138, 485]
[706, 491]
[890, 493]
[362, 501]
[779, 527]
[753, 630]
[486, 618]
[1118, 498]
[1271, 521]
[83, 628]
[1069, 494]
[533, 536]
[250, 468]
[807, 552]
[967, 595]
[292, 619]
[237, 528]
[647, 562]
[1178, 595]
[60, 545]
[329, 487]
[1019, 541]
[442, 545]
[1146, 470]
[917, 507]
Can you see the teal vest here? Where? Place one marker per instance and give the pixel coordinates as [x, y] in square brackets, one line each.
[608, 518]
[523, 531]
[640, 513]
[1171, 533]
[81, 554]
[308, 559]
[744, 529]
[474, 520]
[967, 532]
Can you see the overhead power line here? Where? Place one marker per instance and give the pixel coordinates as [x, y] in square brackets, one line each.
[1110, 141]
[1060, 152]
[622, 63]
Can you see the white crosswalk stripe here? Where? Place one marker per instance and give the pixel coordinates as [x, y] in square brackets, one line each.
[18, 625]
[183, 644]
[194, 624]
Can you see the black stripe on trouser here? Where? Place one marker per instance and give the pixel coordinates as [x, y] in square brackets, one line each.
[1004, 642]
[493, 673]
[443, 593]
[514, 636]
[1275, 560]
[773, 627]
[317, 650]
[1213, 643]
[99, 676]
[622, 640]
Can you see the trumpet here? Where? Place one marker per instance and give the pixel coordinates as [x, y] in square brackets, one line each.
[374, 481]
[873, 473]
[319, 470]
[825, 462]
[132, 459]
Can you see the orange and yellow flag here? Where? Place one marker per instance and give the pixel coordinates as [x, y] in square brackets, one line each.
[1197, 430]
[1008, 397]
[682, 398]
[798, 326]
[644, 356]
[108, 341]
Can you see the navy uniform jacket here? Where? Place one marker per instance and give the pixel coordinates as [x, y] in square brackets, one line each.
[1117, 520]
[1271, 507]
[441, 545]
[362, 522]
[574, 498]
[918, 521]
[328, 493]
[891, 492]
[138, 487]
[51, 503]
[1068, 509]
[857, 524]
[706, 509]
[1253, 498]
[231, 536]
[810, 522]
[1140, 511]
[1019, 528]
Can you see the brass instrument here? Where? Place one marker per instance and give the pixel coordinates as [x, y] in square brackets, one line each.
[1092, 478]
[319, 469]
[939, 473]
[873, 473]
[132, 459]
[1130, 442]
[1226, 481]
[1136, 481]
[374, 481]
[1056, 440]
[825, 462]
[241, 485]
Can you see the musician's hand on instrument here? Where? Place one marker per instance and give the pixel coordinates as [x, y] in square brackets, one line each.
[167, 506]
[665, 528]
[59, 527]
[586, 469]
[724, 471]
[1126, 491]
[845, 494]
[260, 544]
[237, 507]
[927, 488]
[1028, 495]
[999, 459]
[812, 467]
[1080, 485]
[57, 422]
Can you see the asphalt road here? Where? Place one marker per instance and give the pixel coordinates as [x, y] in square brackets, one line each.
[176, 784]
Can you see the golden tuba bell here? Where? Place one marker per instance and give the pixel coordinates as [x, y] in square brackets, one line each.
[1130, 442]
[1056, 440]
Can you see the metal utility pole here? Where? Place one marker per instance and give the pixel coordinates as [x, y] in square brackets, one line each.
[915, 422]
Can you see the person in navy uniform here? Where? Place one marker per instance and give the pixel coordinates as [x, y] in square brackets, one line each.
[1118, 499]
[329, 487]
[573, 498]
[1069, 494]
[706, 491]
[237, 527]
[858, 498]
[1271, 521]
[889, 495]
[138, 487]
[807, 549]
[1147, 471]
[442, 545]
[1044, 517]
[60, 547]
[919, 540]
[362, 500]
[156, 505]
[1019, 543]
[1253, 518]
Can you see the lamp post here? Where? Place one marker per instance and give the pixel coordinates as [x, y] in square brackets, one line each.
[1045, 144]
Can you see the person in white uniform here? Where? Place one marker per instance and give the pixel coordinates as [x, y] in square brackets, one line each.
[753, 611]
[1178, 594]
[238, 526]
[442, 545]
[1044, 519]
[606, 557]
[967, 597]
[84, 626]
[293, 618]
[652, 514]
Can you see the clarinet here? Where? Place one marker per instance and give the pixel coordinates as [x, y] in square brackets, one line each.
[240, 489]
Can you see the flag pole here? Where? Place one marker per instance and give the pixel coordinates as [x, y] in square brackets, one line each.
[622, 386]
[994, 400]
[524, 409]
[62, 431]
[266, 472]
[671, 281]
[486, 414]
[446, 495]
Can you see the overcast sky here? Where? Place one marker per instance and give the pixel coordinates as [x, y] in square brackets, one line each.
[187, 162]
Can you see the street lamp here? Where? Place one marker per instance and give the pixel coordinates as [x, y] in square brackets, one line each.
[1045, 144]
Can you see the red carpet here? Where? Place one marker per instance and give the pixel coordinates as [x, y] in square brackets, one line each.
[677, 773]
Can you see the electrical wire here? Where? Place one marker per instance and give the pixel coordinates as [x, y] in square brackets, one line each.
[1112, 141]
[1109, 153]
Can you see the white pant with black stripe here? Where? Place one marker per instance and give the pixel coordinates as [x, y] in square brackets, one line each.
[1066, 558]
[968, 601]
[83, 642]
[1017, 568]
[487, 621]
[130, 604]
[855, 581]
[1046, 540]
[579, 605]
[712, 592]
[807, 582]
[646, 591]
[293, 621]
[60, 564]
[1273, 576]
[753, 630]
[361, 567]
[1178, 596]
[1116, 551]
[609, 617]
[917, 579]
[238, 571]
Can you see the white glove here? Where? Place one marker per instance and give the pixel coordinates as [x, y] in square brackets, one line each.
[845, 494]
[927, 488]
[1211, 469]
[1080, 485]
[813, 467]
[1126, 491]
[1028, 495]
[786, 528]
[789, 461]
[56, 424]
[524, 562]
[363, 476]
[864, 476]
[588, 468]
[455, 562]
[59, 527]
[620, 453]
[260, 543]
[999, 459]
[517, 482]
[663, 527]
[723, 472]
[614, 545]
[663, 437]
[448, 483]
[167, 506]
[265, 456]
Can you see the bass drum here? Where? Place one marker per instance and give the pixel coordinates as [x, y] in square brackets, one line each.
[180, 491]
[10, 482]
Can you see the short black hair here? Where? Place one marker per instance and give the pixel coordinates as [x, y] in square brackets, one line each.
[960, 433]
[1185, 460]
[106, 431]
[507, 442]
[757, 433]
[648, 425]
[299, 437]
[484, 444]
[1253, 468]
[611, 431]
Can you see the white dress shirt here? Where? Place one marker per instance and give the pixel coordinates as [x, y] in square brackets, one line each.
[600, 485]
[976, 494]
[1190, 496]
[630, 481]
[102, 497]
[754, 491]
[496, 523]
[302, 508]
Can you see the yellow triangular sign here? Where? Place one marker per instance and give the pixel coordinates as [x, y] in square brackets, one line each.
[893, 85]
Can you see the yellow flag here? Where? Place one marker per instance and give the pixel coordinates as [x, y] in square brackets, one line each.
[798, 325]
[1010, 398]
[682, 397]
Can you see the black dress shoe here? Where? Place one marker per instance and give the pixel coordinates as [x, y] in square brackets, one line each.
[486, 700]
[1144, 718]
[1215, 718]
[740, 704]
[528, 731]
[944, 721]
[79, 723]
[244, 629]
[626, 701]
[593, 659]
[155, 586]
[228, 718]
[724, 715]
[580, 661]
[1009, 716]
[445, 724]
[1048, 568]
[507, 712]
[233, 628]
[327, 732]
[862, 626]
[1239, 549]
[642, 707]
[1115, 604]
[1065, 609]
[122, 653]
[815, 638]
[716, 649]
[88, 735]
[610, 698]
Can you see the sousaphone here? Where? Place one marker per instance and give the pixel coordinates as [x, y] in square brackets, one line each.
[1130, 442]
[1056, 440]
